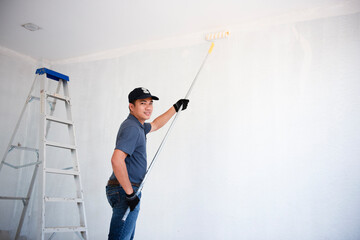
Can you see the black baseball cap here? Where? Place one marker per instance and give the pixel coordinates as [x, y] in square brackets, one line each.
[140, 93]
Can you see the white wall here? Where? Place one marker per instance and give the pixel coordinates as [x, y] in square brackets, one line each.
[268, 148]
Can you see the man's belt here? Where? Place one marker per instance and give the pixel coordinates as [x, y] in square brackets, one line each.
[115, 182]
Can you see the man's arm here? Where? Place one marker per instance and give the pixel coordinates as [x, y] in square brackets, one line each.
[161, 120]
[120, 171]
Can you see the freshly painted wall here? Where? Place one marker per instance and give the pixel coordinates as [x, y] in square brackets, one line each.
[269, 145]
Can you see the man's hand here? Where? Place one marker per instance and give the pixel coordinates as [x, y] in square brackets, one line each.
[181, 102]
[132, 200]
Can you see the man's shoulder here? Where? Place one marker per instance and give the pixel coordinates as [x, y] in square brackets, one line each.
[128, 131]
[129, 125]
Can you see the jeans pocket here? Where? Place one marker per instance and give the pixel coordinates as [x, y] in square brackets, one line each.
[113, 199]
[115, 196]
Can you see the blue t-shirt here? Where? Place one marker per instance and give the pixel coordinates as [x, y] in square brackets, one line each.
[131, 139]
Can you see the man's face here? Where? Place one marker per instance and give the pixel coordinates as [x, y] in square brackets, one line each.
[142, 109]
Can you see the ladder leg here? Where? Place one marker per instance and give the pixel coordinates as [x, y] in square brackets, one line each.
[17, 124]
[9, 148]
[79, 189]
[42, 154]
[26, 202]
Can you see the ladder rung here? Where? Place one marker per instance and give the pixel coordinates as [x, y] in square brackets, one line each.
[58, 120]
[60, 171]
[13, 198]
[64, 229]
[57, 199]
[37, 99]
[60, 145]
[58, 96]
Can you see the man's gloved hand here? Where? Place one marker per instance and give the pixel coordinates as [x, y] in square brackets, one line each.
[132, 200]
[181, 102]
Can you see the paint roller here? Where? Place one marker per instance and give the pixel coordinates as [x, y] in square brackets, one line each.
[209, 37]
[217, 36]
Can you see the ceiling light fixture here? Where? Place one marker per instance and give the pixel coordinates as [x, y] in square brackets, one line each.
[31, 27]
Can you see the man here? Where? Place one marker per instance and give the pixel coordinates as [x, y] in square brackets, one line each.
[129, 160]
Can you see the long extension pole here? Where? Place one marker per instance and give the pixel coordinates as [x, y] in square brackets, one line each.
[168, 131]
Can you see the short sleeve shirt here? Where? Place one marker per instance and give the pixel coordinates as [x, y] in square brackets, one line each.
[131, 139]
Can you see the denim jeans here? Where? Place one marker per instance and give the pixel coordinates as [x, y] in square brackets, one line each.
[120, 230]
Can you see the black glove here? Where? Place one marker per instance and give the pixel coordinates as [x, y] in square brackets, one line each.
[132, 200]
[181, 102]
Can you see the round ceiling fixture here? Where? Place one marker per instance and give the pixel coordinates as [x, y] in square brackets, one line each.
[31, 27]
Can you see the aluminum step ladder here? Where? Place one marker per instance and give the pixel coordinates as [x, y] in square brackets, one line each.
[42, 161]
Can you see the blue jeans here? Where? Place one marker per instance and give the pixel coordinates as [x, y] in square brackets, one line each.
[120, 230]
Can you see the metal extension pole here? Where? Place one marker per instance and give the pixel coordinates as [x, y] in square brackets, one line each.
[167, 133]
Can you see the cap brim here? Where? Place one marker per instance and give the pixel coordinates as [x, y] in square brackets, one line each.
[154, 98]
[147, 96]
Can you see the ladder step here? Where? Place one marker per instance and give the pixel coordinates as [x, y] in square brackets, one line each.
[57, 199]
[60, 145]
[14, 198]
[37, 99]
[58, 120]
[58, 96]
[52, 74]
[60, 171]
[64, 229]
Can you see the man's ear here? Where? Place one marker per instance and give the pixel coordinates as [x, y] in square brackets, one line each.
[131, 107]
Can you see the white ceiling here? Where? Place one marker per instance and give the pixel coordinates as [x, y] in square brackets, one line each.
[75, 28]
